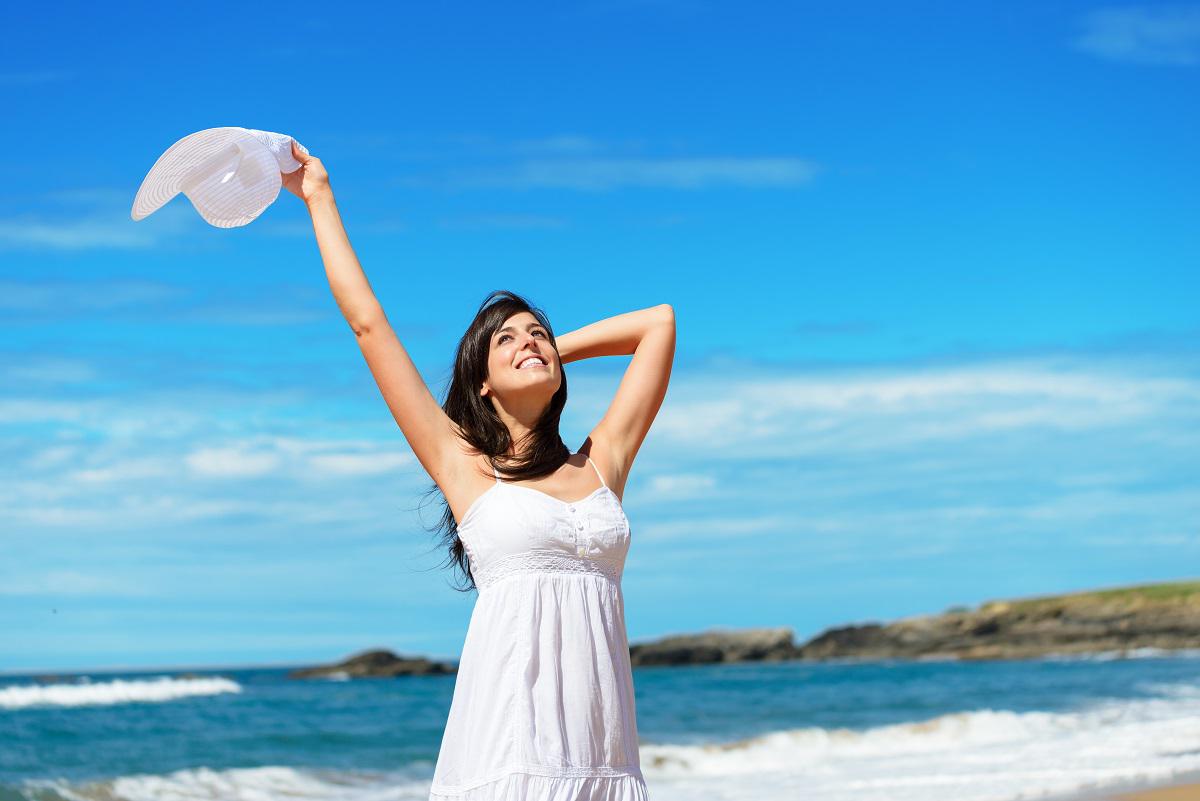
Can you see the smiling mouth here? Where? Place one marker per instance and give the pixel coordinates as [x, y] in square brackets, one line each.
[531, 363]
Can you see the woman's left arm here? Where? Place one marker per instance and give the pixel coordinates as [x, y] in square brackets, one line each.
[614, 336]
[649, 334]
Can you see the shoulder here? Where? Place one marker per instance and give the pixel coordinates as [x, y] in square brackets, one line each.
[467, 475]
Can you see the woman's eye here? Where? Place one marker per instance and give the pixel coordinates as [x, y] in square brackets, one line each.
[503, 337]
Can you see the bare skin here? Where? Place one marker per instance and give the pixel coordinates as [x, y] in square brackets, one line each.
[518, 395]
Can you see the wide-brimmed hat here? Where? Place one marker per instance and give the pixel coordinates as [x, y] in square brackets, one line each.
[230, 174]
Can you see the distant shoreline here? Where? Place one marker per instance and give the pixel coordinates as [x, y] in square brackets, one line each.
[175, 670]
[1162, 616]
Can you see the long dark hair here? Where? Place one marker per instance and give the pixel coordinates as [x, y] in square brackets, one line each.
[542, 451]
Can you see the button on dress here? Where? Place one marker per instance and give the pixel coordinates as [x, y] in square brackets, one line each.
[543, 705]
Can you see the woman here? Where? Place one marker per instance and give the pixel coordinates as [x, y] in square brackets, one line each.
[543, 705]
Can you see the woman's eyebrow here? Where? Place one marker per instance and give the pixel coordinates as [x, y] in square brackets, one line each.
[510, 328]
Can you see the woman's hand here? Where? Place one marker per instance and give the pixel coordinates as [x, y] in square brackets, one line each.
[619, 335]
[310, 180]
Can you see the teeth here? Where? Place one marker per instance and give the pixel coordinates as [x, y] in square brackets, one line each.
[530, 360]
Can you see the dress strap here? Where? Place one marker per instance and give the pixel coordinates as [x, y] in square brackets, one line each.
[597, 469]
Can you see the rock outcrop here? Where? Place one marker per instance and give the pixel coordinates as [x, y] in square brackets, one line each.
[1160, 616]
[375, 664]
[1163, 616]
[716, 645]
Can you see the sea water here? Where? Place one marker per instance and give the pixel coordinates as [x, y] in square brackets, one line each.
[832, 731]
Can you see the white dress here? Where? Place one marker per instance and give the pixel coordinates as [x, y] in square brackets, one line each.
[543, 706]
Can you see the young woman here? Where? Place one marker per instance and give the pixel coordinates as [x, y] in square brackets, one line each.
[543, 704]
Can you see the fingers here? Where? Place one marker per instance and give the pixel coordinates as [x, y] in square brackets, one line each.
[299, 153]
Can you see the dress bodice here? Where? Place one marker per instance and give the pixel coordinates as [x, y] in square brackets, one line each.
[512, 528]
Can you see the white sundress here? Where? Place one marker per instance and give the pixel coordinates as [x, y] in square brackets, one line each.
[543, 705]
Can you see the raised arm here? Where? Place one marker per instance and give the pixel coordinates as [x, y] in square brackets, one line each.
[649, 334]
[430, 432]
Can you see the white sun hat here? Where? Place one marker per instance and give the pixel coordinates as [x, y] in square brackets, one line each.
[230, 174]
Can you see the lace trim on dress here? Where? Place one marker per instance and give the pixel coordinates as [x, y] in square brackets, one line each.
[544, 562]
[633, 772]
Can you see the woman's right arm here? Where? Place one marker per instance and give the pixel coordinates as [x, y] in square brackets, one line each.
[429, 431]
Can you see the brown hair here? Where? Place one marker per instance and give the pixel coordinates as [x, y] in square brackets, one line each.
[541, 452]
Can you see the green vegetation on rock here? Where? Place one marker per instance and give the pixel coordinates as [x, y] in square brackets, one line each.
[1174, 591]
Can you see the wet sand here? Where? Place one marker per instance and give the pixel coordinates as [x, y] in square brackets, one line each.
[1183, 787]
[1175, 792]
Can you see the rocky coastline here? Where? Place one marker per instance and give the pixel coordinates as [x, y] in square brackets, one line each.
[1121, 620]
[378, 663]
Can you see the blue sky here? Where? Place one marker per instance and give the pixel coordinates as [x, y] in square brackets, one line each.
[934, 269]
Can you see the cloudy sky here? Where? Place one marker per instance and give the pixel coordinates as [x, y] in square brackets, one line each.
[934, 269]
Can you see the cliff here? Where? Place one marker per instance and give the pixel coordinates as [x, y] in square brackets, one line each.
[1164, 616]
[716, 645]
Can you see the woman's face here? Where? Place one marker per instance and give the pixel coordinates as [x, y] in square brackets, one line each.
[521, 360]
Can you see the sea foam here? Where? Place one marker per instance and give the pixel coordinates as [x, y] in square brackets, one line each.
[242, 784]
[981, 755]
[118, 691]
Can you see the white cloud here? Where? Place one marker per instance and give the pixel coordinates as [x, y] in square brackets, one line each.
[678, 486]
[485, 145]
[102, 224]
[514, 221]
[359, 464]
[65, 297]
[134, 509]
[232, 462]
[708, 528]
[51, 457]
[47, 371]
[125, 470]
[158, 302]
[71, 582]
[566, 143]
[304, 230]
[1173, 540]
[79, 234]
[1011, 447]
[253, 457]
[1112, 502]
[43, 410]
[880, 410]
[1163, 35]
[599, 174]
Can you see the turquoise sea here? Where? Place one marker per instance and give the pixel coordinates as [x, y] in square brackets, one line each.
[903, 731]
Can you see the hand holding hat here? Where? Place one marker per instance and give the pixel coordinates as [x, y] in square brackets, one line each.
[308, 181]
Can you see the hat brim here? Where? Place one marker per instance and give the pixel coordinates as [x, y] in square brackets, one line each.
[165, 179]
[227, 200]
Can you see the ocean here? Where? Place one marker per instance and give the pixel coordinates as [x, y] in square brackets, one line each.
[833, 731]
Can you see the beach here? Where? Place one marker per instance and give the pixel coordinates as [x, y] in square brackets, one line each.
[1189, 791]
[1177, 792]
[1181, 787]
